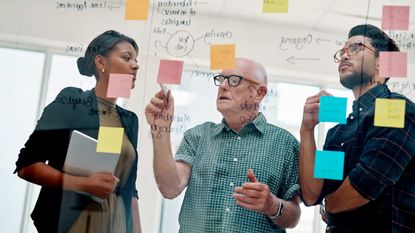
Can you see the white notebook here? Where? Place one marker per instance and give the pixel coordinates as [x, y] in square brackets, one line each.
[82, 158]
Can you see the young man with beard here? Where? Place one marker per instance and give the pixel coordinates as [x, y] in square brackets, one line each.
[377, 193]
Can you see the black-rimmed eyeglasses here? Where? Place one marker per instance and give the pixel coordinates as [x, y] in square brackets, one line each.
[351, 50]
[233, 80]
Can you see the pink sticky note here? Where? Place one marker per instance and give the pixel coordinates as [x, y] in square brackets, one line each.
[393, 64]
[395, 18]
[119, 85]
[170, 72]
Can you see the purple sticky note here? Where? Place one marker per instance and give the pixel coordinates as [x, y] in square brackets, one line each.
[393, 64]
[119, 85]
[170, 72]
[395, 18]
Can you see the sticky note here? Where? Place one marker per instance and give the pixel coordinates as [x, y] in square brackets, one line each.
[275, 6]
[136, 9]
[329, 165]
[395, 18]
[222, 57]
[170, 72]
[119, 85]
[332, 109]
[110, 139]
[393, 64]
[390, 113]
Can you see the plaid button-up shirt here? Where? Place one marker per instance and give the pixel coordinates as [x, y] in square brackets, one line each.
[220, 158]
[380, 164]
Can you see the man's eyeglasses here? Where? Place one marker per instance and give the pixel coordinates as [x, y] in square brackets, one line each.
[351, 50]
[233, 80]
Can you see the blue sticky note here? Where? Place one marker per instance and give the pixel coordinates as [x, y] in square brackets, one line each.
[332, 109]
[329, 165]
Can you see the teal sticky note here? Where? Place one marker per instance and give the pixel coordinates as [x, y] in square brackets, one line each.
[329, 165]
[332, 109]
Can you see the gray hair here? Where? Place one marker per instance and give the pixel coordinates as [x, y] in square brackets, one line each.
[255, 70]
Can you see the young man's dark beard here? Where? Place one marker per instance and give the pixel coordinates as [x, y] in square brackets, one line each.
[355, 79]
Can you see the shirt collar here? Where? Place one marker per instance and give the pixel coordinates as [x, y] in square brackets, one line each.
[259, 124]
[369, 97]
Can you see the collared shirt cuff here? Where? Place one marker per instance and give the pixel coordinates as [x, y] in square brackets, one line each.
[291, 192]
[185, 158]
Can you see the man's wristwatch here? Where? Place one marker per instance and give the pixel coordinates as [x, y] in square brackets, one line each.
[279, 211]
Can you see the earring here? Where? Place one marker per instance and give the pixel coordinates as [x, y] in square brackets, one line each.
[103, 70]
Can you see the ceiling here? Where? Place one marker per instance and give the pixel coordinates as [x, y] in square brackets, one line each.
[41, 23]
[25, 18]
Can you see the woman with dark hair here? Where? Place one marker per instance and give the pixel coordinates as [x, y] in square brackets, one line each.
[60, 206]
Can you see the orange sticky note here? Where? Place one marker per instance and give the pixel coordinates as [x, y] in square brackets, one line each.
[390, 113]
[110, 139]
[222, 57]
[136, 9]
[170, 72]
[119, 85]
[393, 64]
[275, 6]
[395, 18]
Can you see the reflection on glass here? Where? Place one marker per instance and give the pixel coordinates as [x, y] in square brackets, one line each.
[283, 106]
[21, 79]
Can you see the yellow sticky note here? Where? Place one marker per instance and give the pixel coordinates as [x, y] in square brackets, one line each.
[136, 9]
[222, 57]
[275, 6]
[110, 139]
[390, 113]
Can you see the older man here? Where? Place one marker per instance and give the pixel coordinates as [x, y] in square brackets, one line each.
[240, 174]
[377, 193]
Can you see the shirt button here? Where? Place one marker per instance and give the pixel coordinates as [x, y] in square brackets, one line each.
[342, 144]
[239, 138]
[235, 159]
[227, 209]
[231, 184]
[351, 117]
[360, 109]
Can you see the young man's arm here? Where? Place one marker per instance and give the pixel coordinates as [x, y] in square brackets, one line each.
[310, 186]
